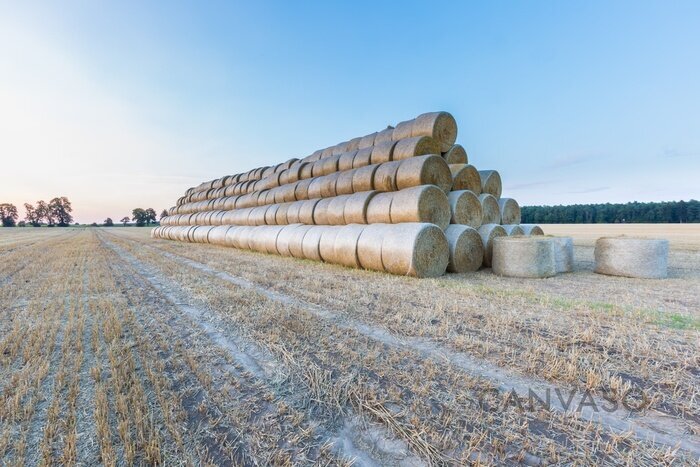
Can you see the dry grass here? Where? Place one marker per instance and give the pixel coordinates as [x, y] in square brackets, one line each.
[115, 349]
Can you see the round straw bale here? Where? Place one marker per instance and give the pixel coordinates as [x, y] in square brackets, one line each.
[256, 242]
[271, 214]
[491, 182]
[270, 235]
[382, 152]
[632, 257]
[217, 235]
[563, 253]
[419, 250]
[345, 246]
[343, 185]
[218, 203]
[293, 212]
[328, 185]
[466, 208]
[510, 211]
[513, 229]
[354, 144]
[278, 195]
[301, 191]
[306, 171]
[425, 203]
[340, 148]
[201, 235]
[330, 165]
[379, 208]
[531, 229]
[326, 244]
[369, 246]
[465, 177]
[289, 192]
[284, 239]
[403, 130]
[229, 239]
[281, 214]
[243, 237]
[384, 136]
[441, 126]
[362, 158]
[217, 218]
[314, 190]
[317, 168]
[328, 152]
[230, 203]
[336, 210]
[345, 161]
[385, 176]
[491, 213]
[424, 170]
[296, 242]
[190, 233]
[531, 257]
[294, 172]
[466, 248]
[306, 211]
[363, 178]
[321, 212]
[415, 146]
[488, 233]
[367, 141]
[229, 218]
[356, 207]
[284, 177]
[311, 242]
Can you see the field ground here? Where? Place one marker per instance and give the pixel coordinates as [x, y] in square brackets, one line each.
[119, 349]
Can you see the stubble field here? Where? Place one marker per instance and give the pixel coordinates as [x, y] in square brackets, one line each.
[119, 349]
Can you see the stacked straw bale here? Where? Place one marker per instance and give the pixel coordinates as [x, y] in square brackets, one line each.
[403, 200]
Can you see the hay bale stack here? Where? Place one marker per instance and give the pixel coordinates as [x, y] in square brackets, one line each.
[456, 155]
[490, 211]
[563, 254]
[531, 229]
[465, 208]
[529, 257]
[510, 211]
[466, 248]
[418, 250]
[645, 258]
[377, 202]
[488, 233]
[491, 182]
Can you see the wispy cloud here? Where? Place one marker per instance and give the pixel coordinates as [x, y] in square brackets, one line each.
[673, 153]
[568, 161]
[589, 190]
[530, 185]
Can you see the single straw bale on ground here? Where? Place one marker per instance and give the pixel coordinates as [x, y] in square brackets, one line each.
[632, 257]
[530, 257]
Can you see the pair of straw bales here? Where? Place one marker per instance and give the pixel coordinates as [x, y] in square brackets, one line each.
[532, 257]
[412, 249]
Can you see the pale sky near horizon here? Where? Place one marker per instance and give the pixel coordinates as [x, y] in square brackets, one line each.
[126, 104]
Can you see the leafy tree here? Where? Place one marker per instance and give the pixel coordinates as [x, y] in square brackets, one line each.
[32, 215]
[125, 220]
[21, 224]
[43, 212]
[163, 214]
[61, 209]
[108, 222]
[151, 216]
[8, 214]
[672, 211]
[140, 216]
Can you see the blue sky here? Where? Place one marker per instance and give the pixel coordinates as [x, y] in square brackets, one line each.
[125, 104]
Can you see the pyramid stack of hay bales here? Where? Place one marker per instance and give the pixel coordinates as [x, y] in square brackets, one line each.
[404, 200]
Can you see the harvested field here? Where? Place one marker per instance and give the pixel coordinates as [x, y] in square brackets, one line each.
[118, 348]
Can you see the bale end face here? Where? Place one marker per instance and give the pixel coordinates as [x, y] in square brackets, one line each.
[632, 257]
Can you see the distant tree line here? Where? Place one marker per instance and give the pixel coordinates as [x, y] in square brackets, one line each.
[659, 212]
[56, 212]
